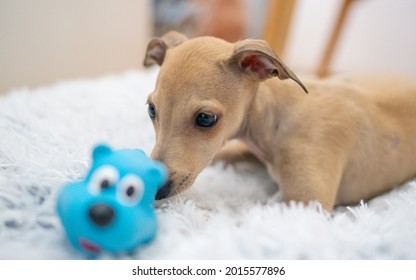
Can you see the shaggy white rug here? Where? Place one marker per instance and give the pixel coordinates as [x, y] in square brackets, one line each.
[45, 140]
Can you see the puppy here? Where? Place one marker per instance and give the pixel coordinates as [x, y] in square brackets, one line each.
[349, 139]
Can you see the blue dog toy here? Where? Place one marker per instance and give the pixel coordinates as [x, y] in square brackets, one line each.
[113, 208]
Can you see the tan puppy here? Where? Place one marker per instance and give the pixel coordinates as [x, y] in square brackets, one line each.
[348, 139]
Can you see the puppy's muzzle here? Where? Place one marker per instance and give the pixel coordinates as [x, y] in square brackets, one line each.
[101, 214]
[164, 191]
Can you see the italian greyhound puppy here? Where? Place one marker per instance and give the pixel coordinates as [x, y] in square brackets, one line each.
[348, 139]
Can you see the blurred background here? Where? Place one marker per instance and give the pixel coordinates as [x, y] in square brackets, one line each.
[45, 41]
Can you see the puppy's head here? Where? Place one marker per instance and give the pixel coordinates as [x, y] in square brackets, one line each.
[203, 92]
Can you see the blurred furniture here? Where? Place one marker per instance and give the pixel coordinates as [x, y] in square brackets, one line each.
[224, 19]
[325, 63]
[277, 24]
[277, 27]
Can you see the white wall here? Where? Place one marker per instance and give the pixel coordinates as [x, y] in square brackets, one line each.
[379, 36]
[42, 41]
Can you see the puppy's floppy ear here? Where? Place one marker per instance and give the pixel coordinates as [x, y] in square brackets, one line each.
[157, 47]
[258, 59]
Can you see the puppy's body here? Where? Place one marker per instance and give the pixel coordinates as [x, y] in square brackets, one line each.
[348, 139]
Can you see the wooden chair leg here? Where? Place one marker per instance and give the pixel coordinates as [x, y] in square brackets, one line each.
[323, 68]
[277, 23]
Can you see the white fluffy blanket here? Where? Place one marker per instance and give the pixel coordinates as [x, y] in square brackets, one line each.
[45, 140]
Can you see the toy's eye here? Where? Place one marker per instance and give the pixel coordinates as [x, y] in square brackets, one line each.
[130, 190]
[103, 178]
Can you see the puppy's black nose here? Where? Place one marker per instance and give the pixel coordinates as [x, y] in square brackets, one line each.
[101, 214]
[164, 191]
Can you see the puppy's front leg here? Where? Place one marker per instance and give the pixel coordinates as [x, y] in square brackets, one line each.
[306, 177]
[235, 152]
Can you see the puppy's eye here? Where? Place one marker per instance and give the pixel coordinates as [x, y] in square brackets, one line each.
[130, 190]
[205, 120]
[103, 178]
[151, 110]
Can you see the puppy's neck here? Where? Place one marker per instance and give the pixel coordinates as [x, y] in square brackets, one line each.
[273, 102]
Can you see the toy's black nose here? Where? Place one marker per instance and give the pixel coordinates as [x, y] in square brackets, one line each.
[164, 191]
[101, 214]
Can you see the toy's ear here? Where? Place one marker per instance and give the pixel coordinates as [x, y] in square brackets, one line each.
[141, 151]
[157, 47]
[100, 150]
[159, 174]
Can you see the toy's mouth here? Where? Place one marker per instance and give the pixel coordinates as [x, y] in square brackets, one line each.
[89, 246]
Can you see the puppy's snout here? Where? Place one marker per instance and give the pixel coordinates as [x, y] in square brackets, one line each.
[164, 191]
[101, 214]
